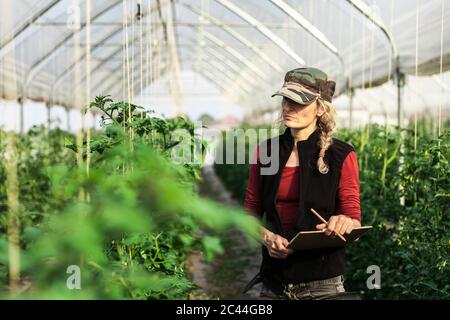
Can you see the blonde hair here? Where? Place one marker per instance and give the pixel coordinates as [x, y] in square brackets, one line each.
[326, 124]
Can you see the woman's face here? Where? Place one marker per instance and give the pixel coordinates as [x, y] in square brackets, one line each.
[299, 116]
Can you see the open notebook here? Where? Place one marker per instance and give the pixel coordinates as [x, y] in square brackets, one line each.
[306, 240]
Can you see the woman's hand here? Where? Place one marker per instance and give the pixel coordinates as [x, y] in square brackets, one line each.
[276, 245]
[341, 224]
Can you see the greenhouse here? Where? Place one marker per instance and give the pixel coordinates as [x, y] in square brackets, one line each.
[134, 135]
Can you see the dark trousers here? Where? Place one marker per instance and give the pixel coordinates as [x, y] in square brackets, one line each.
[314, 290]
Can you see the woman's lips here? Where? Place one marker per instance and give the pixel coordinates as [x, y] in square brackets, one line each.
[288, 118]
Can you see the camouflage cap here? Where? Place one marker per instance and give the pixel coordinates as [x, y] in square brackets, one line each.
[305, 85]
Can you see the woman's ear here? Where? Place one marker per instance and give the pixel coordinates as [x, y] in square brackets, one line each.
[320, 110]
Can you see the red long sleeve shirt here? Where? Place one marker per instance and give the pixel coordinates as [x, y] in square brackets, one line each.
[288, 192]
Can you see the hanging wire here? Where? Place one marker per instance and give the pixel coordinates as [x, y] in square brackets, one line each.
[78, 104]
[313, 9]
[147, 45]
[416, 70]
[372, 33]
[133, 53]
[364, 51]
[201, 33]
[141, 49]
[150, 40]
[88, 81]
[341, 16]
[158, 51]
[127, 59]
[369, 23]
[391, 20]
[350, 72]
[12, 181]
[124, 54]
[441, 71]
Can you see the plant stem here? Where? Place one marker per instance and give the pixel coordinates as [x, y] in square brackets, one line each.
[12, 186]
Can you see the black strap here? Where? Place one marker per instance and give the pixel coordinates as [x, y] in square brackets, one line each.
[256, 279]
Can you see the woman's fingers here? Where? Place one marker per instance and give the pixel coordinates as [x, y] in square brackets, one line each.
[285, 244]
[343, 225]
[321, 226]
[281, 247]
[278, 248]
[273, 251]
[331, 225]
[340, 224]
[337, 225]
[349, 228]
[277, 254]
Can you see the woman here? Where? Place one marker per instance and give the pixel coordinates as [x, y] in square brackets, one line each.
[315, 171]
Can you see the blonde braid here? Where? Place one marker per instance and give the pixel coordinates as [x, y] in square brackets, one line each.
[326, 124]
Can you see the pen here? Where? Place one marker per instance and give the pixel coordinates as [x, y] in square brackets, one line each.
[323, 220]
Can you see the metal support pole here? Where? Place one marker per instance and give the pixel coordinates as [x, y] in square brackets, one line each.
[68, 119]
[49, 107]
[351, 94]
[400, 79]
[20, 100]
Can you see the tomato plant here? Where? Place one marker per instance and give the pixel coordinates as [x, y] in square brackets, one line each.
[128, 224]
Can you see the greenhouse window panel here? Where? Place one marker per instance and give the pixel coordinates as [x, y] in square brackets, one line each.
[218, 69]
[374, 18]
[317, 34]
[237, 55]
[262, 28]
[236, 35]
[20, 34]
[240, 75]
[51, 54]
[96, 46]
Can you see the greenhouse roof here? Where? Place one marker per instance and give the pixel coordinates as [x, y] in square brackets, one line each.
[53, 51]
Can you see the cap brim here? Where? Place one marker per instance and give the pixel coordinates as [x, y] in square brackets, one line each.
[297, 96]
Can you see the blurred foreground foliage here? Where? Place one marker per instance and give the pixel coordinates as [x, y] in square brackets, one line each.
[128, 224]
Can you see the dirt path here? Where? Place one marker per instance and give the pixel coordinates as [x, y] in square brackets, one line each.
[228, 274]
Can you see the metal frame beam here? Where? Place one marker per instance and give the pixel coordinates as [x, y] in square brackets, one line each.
[239, 71]
[174, 63]
[56, 50]
[177, 23]
[236, 35]
[212, 38]
[165, 70]
[214, 65]
[237, 55]
[111, 74]
[213, 77]
[68, 70]
[263, 29]
[18, 36]
[398, 76]
[315, 32]
[365, 10]
[108, 58]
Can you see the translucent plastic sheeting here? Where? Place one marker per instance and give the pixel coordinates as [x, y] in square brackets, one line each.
[427, 95]
[255, 42]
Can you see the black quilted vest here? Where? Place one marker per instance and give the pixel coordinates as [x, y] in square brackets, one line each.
[318, 191]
